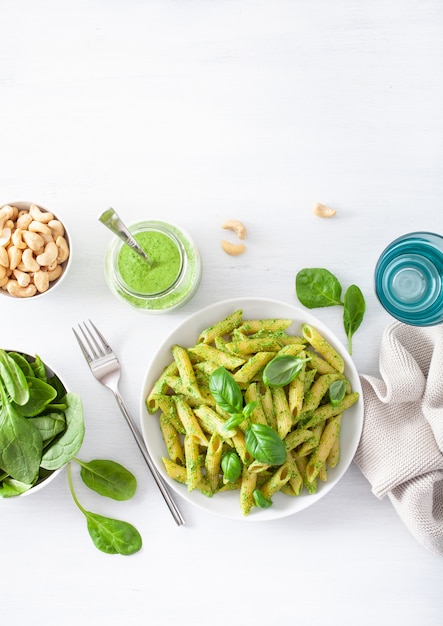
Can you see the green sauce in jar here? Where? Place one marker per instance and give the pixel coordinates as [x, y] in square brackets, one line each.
[170, 283]
[138, 275]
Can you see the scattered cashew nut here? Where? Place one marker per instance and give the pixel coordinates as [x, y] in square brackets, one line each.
[237, 227]
[234, 249]
[321, 210]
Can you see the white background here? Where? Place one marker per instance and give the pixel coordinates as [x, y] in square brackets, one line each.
[196, 112]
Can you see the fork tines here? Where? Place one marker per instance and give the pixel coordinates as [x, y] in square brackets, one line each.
[93, 345]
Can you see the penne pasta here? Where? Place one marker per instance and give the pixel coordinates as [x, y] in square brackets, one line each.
[319, 343]
[193, 424]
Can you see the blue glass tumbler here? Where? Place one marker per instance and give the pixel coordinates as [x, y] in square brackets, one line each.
[409, 276]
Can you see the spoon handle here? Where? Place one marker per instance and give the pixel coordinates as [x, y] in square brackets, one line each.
[112, 221]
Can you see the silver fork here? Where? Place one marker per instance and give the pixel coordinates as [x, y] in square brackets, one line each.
[105, 366]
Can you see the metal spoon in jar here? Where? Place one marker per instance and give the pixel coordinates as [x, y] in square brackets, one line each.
[112, 221]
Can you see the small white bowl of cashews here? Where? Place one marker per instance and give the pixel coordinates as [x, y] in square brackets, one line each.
[35, 250]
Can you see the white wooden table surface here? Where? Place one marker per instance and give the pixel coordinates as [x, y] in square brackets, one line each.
[196, 112]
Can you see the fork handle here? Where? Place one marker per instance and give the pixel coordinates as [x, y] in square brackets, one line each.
[157, 477]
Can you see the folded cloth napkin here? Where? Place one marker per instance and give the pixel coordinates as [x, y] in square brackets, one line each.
[401, 448]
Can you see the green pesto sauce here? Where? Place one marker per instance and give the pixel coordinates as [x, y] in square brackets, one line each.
[138, 275]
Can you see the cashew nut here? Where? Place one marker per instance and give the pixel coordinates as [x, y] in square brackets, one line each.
[322, 210]
[29, 261]
[63, 250]
[4, 258]
[237, 227]
[40, 216]
[23, 220]
[5, 236]
[14, 289]
[23, 278]
[6, 213]
[234, 249]
[55, 273]
[39, 227]
[57, 228]
[33, 240]
[17, 239]
[41, 281]
[15, 256]
[49, 255]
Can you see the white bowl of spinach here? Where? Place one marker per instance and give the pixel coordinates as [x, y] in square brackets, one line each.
[41, 424]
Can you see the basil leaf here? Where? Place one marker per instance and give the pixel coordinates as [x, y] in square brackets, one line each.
[264, 445]
[282, 370]
[317, 287]
[111, 535]
[354, 310]
[226, 391]
[108, 478]
[260, 500]
[337, 391]
[234, 421]
[231, 466]
[248, 409]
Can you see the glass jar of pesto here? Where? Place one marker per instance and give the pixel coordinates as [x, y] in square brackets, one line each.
[169, 283]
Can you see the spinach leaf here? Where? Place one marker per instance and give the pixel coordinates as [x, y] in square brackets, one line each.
[337, 391]
[21, 444]
[10, 487]
[317, 287]
[260, 499]
[49, 425]
[108, 478]
[282, 370]
[22, 362]
[226, 391]
[264, 444]
[39, 369]
[231, 466]
[66, 446]
[13, 379]
[354, 310]
[111, 535]
[40, 395]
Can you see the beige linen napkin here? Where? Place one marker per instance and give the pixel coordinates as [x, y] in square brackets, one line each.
[401, 448]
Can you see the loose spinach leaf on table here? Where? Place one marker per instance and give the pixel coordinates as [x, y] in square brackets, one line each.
[354, 310]
[108, 535]
[108, 478]
[317, 287]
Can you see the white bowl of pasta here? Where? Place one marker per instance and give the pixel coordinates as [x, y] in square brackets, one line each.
[223, 380]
